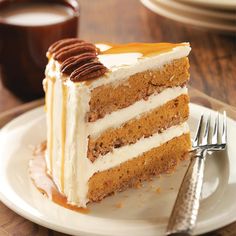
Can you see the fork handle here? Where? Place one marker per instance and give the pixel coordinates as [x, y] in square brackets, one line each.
[184, 214]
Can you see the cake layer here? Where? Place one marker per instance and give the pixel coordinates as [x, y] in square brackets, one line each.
[119, 117]
[172, 113]
[162, 159]
[108, 98]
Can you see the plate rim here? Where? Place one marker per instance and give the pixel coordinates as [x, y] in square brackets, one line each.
[228, 4]
[211, 13]
[160, 10]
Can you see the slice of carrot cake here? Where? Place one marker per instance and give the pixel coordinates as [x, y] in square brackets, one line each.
[116, 115]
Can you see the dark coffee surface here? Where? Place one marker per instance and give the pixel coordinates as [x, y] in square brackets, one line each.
[35, 13]
[23, 53]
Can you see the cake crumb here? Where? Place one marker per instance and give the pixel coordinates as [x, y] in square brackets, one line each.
[150, 188]
[138, 185]
[119, 205]
[171, 188]
[39, 149]
[158, 190]
[150, 179]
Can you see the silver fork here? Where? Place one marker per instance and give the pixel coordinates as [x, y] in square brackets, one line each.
[184, 214]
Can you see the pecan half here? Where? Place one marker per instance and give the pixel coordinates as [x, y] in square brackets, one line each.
[78, 59]
[72, 63]
[90, 70]
[62, 43]
[73, 50]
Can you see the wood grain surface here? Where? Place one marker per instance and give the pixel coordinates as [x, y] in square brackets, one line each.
[213, 71]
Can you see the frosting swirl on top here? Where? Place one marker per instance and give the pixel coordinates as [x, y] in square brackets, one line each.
[78, 59]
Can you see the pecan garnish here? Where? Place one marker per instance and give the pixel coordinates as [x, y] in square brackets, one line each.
[72, 63]
[90, 70]
[63, 43]
[78, 59]
[73, 50]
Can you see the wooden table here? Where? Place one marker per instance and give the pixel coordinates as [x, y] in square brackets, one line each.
[213, 70]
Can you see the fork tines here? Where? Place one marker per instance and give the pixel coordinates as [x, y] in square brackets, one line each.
[208, 136]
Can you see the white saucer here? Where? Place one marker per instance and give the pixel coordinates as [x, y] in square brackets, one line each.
[189, 17]
[144, 211]
[209, 13]
[220, 4]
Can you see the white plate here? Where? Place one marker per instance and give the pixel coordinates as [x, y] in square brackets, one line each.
[144, 211]
[186, 17]
[198, 11]
[221, 4]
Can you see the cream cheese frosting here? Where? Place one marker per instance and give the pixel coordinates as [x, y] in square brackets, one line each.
[72, 159]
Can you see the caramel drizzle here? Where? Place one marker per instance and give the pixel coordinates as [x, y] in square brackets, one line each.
[63, 133]
[145, 49]
[51, 125]
[78, 59]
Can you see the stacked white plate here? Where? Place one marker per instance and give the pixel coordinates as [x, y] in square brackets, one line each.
[210, 14]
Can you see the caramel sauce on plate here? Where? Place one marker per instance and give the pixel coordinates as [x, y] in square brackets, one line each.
[45, 184]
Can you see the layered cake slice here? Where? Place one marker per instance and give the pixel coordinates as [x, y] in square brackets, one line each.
[116, 115]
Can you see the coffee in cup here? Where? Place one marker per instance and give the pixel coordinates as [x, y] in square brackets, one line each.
[27, 29]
